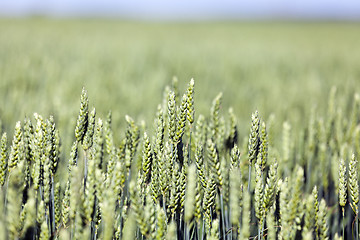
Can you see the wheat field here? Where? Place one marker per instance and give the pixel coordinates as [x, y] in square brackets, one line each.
[125, 130]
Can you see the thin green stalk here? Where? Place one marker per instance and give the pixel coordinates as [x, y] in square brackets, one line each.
[197, 231]
[222, 213]
[121, 216]
[5, 207]
[93, 230]
[227, 223]
[259, 232]
[85, 169]
[180, 223]
[52, 208]
[193, 230]
[36, 210]
[187, 231]
[343, 228]
[6, 191]
[41, 193]
[231, 228]
[357, 225]
[308, 184]
[203, 230]
[164, 206]
[262, 229]
[249, 178]
[227, 220]
[92, 225]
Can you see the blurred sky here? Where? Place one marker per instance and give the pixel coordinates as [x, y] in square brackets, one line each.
[186, 9]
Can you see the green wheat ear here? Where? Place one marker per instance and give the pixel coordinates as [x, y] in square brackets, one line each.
[198, 200]
[190, 194]
[73, 156]
[286, 145]
[175, 88]
[164, 170]
[263, 151]
[98, 146]
[129, 229]
[160, 130]
[214, 231]
[286, 216]
[309, 218]
[150, 213]
[209, 201]
[171, 232]
[108, 133]
[322, 221]
[235, 194]
[233, 131]
[316, 208]
[3, 159]
[137, 206]
[147, 159]
[13, 201]
[270, 187]
[65, 212]
[107, 206]
[200, 130]
[296, 202]
[214, 162]
[181, 119]
[30, 210]
[57, 206]
[215, 118]
[53, 144]
[253, 142]
[44, 231]
[182, 185]
[235, 157]
[271, 224]
[172, 117]
[190, 102]
[342, 189]
[199, 161]
[161, 223]
[259, 193]
[88, 137]
[342, 183]
[28, 134]
[175, 189]
[40, 216]
[244, 231]
[353, 184]
[15, 147]
[254, 138]
[82, 120]
[132, 137]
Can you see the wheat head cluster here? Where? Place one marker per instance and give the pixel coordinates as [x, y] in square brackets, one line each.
[185, 176]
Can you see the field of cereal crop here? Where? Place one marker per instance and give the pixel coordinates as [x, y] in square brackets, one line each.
[105, 135]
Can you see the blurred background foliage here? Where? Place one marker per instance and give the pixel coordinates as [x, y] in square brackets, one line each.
[277, 68]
